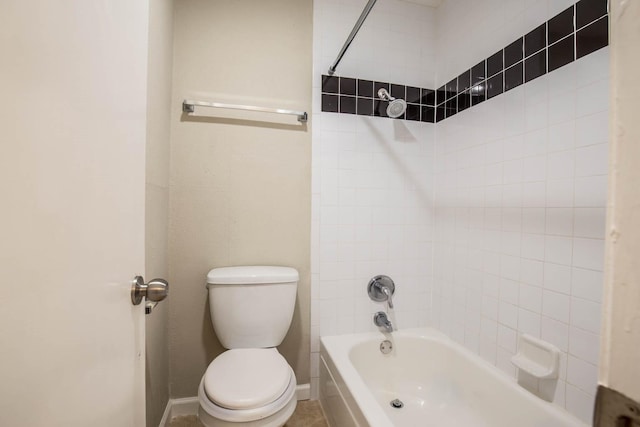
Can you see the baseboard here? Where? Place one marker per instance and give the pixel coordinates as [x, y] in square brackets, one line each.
[184, 406]
[303, 391]
[189, 405]
[166, 416]
[179, 407]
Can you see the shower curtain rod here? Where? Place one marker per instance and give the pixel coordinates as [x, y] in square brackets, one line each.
[356, 28]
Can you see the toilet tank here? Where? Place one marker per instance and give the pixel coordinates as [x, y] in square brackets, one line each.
[252, 306]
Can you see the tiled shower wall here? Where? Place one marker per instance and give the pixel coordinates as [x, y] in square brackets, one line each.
[520, 217]
[371, 177]
[519, 182]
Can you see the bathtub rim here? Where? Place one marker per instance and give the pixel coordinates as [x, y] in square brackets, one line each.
[337, 349]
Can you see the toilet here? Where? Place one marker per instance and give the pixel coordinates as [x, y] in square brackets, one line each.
[250, 384]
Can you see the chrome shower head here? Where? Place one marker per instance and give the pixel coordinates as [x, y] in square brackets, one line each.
[396, 107]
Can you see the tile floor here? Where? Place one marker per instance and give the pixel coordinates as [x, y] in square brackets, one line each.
[307, 414]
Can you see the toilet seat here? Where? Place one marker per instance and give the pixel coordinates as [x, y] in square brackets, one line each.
[247, 378]
[229, 381]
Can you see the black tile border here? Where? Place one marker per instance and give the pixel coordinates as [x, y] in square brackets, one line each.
[592, 37]
[573, 33]
[544, 49]
[561, 25]
[339, 95]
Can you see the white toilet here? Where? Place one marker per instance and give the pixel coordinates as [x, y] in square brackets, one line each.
[250, 384]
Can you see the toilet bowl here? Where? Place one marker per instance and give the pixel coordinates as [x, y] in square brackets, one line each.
[247, 387]
[251, 384]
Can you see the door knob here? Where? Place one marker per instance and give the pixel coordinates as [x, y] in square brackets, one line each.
[155, 291]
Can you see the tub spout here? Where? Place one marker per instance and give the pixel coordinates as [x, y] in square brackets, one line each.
[381, 320]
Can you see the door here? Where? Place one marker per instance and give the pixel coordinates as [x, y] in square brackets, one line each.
[72, 144]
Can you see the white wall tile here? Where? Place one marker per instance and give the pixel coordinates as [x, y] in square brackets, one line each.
[561, 109]
[580, 403]
[507, 338]
[557, 278]
[556, 306]
[490, 307]
[591, 191]
[588, 253]
[509, 291]
[586, 315]
[555, 332]
[592, 98]
[559, 193]
[587, 284]
[510, 267]
[592, 129]
[589, 222]
[592, 160]
[508, 315]
[489, 328]
[532, 272]
[533, 220]
[582, 374]
[535, 142]
[513, 147]
[512, 171]
[558, 250]
[560, 165]
[562, 136]
[529, 322]
[559, 221]
[560, 392]
[534, 194]
[533, 246]
[584, 345]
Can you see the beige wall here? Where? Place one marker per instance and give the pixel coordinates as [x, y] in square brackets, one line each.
[157, 202]
[620, 349]
[240, 189]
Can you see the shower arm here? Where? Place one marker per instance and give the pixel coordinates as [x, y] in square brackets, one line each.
[384, 95]
[356, 28]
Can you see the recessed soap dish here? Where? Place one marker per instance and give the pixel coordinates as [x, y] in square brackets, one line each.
[538, 358]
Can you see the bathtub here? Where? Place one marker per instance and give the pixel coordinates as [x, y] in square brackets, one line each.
[439, 382]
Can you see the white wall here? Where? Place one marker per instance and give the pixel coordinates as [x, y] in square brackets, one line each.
[621, 329]
[371, 177]
[157, 202]
[395, 44]
[470, 31]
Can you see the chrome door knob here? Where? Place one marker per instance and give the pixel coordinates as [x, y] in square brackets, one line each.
[156, 290]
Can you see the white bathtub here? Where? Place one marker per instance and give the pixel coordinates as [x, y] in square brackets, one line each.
[440, 383]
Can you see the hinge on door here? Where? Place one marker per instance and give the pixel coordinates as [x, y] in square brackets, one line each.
[614, 409]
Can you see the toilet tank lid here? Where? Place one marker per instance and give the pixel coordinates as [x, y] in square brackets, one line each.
[252, 274]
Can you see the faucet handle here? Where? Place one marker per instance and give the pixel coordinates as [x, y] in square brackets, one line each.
[389, 295]
[381, 288]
